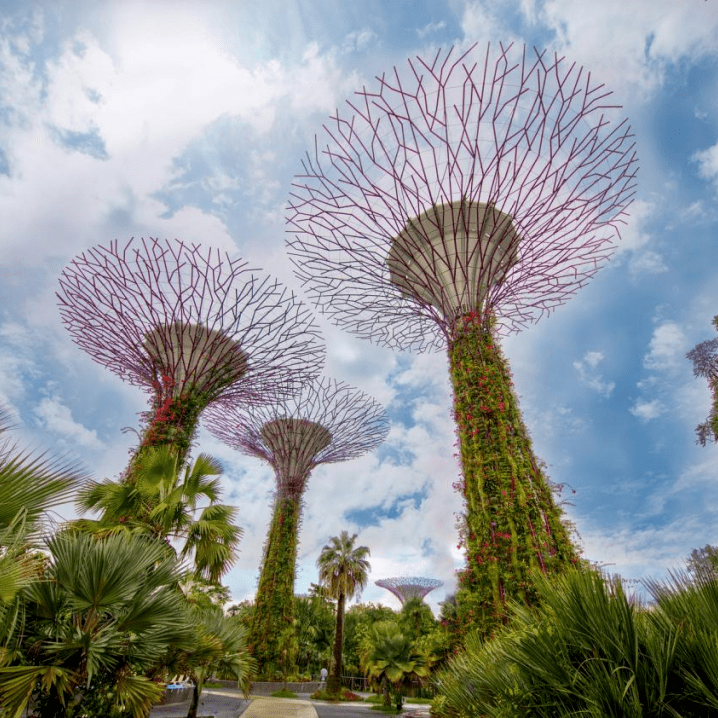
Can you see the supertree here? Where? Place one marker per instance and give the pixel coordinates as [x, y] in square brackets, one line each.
[191, 326]
[327, 422]
[704, 357]
[407, 587]
[461, 198]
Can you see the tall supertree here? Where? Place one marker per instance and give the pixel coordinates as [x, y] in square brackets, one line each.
[704, 357]
[463, 197]
[408, 587]
[191, 326]
[327, 422]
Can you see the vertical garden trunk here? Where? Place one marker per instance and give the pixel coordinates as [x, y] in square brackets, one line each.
[335, 679]
[512, 523]
[274, 609]
[172, 421]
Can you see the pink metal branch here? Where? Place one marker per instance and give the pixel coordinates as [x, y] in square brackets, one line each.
[169, 316]
[515, 146]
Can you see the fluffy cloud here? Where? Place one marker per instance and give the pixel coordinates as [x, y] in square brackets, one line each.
[647, 410]
[54, 416]
[587, 373]
[707, 161]
[667, 347]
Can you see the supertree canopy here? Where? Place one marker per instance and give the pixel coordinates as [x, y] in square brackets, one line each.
[189, 325]
[408, 587]
[705, 364]
[465, 196]
[326, 422]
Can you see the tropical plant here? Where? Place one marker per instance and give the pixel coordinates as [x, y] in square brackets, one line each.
[343, 571]
[393, 661]
[104, 610]
[219, 646]
[591, 649]
[163, 501]
[30, 485]
[358, 622]
[416, 619]
[314, 620]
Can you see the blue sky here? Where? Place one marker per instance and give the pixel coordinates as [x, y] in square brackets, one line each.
[189, 120]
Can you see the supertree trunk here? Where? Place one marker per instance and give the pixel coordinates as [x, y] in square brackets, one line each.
[274, 608]
[326, 422]
[512, 524]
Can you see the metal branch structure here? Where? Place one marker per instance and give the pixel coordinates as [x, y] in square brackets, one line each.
[407, 587]
[704, 357]
[460, 198]
[191, 326]
[327, 422]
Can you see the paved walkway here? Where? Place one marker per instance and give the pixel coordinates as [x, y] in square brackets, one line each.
[230, 703]
[279, 708]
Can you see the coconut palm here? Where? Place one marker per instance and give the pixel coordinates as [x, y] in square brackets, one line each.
[163, 501]
[104, 610]
[343, 571]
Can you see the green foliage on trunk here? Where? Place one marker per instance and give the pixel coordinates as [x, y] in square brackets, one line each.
[512, 523]
[274, 609]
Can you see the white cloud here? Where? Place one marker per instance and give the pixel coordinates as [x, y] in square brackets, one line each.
[586, 369]
[54, 416]
[668, 345]
[647, 410]
[430, 29]
[628, 45]
[647, 262]
[707, 161]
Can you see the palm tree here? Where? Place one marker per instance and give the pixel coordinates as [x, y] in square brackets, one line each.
[343, 571]
[30, 485]
[219, 647]
[163, 502]
[393, 660]
[104, 610]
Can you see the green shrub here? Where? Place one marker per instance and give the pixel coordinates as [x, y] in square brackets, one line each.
[589, 649]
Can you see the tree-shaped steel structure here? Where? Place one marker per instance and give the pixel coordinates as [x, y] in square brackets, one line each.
[408, 587]
[464, 197]
[326, 422]
[704, 357]
[192, 326]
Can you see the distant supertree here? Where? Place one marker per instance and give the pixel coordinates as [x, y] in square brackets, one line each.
[189, 325]
[408, 587]
[463, 197]
[327, 422]
[705, 364]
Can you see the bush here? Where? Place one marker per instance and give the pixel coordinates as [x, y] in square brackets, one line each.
[589, 649]
[283, 693]
[344, 695]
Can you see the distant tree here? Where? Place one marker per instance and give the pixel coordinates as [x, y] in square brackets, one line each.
[703, 561]
[358, 623]
[416, 619]
[705, 364]
[344, 572]
[314, 618]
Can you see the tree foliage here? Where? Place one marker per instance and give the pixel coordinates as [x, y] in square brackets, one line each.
[344, 572]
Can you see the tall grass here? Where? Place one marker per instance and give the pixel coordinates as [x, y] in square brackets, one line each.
[590, 650]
